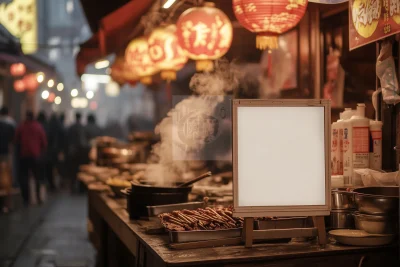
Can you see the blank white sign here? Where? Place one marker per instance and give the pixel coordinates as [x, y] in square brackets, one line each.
[281, 156]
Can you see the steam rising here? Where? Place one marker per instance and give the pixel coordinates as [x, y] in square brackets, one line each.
[210, 89]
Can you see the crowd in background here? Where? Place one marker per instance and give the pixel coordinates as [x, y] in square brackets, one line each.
[44, 148]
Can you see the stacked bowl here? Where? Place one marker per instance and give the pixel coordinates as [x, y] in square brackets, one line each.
[343, 208]
[377, 210]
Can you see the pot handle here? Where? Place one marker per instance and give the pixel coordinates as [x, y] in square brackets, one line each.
[123, 191]
[361, 261]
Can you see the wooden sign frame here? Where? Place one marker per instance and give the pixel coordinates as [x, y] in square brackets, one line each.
[316, 211]
[282, 211]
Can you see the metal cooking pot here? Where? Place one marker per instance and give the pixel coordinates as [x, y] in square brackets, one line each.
[378, 200]
[375, 224]
[342, 200]
[340, 219]
[142, 188]
[140, 196]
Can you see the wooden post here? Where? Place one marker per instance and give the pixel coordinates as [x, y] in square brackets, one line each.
[319, 223]
[248, 232]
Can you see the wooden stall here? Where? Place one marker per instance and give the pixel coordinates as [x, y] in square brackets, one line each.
[321, 67]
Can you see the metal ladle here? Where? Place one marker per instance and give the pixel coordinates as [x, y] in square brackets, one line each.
[201, 177]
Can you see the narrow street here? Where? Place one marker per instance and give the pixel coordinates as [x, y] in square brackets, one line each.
[51, 235]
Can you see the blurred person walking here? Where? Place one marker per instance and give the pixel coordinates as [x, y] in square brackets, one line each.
[31, 139]
[55, 143]
[77, 144]
[7, 132]
[92, 130]
[63, 151]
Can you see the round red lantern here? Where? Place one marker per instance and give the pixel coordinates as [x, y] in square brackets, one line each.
[19, 86]
[117, 71]
[30, 81]
[17, 69]
[137, 58]
[269, 18]
[122, 73]
[51, 97]
[166, 52]
[205, 34]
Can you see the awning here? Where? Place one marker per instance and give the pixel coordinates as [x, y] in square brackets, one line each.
[33, 64]
[114, 32]
[11, 52]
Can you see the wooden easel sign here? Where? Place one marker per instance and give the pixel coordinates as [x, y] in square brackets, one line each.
[281, 164]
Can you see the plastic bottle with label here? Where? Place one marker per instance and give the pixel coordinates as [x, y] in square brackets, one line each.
[360, 135]
[347, 148]
[337, 146]
[375, 155]
[335, 150]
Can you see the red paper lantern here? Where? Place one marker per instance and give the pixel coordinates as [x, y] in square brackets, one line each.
[51, 97]
[31, 83]
[205, 33]
[19, 86]
[17, 69]
[166, 52]
[138, 60]
[269, 18]
[122, 73]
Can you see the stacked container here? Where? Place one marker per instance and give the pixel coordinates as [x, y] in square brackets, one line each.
[343, 208]
[356, 143]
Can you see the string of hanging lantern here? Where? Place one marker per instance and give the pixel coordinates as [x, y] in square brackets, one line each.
[202, 33]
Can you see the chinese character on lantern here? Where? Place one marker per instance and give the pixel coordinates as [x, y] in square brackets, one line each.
[269, 18]
[166, 52]
[205, 34]
[137, 57]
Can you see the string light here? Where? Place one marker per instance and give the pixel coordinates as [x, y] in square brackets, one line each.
[60, 87]
[74, 92]
[45, 94]
[50, 83]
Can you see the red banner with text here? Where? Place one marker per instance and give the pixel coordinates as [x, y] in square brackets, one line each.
[372, 20]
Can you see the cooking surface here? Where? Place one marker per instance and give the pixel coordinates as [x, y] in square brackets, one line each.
[114, 212]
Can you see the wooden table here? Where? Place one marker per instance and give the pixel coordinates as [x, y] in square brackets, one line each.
[124, 243]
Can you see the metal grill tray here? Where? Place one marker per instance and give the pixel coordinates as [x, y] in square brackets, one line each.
[203, 235]
[156, 210]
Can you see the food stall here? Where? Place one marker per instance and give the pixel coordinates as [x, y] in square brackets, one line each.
[195, 196]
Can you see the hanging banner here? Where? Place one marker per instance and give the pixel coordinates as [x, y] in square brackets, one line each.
[372, 20]
[19, 17]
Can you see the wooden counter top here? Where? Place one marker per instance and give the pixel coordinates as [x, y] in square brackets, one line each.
[133, 234]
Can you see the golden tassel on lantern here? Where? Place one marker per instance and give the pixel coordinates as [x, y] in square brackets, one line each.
[168, 75]
[267, 42]
[146, 80]
[204, 65]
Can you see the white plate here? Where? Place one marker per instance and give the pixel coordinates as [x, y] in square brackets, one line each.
[360, 238]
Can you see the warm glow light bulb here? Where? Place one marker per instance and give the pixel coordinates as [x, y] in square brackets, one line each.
[50, 83]
[40, 77]
[45, 94]
[74, 92]
[60, 87]
[89, 94]
[57, 100]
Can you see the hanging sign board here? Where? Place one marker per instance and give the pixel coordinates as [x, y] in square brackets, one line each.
[372, 20]
[19, 17]
[281, 157]
[328, 2]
